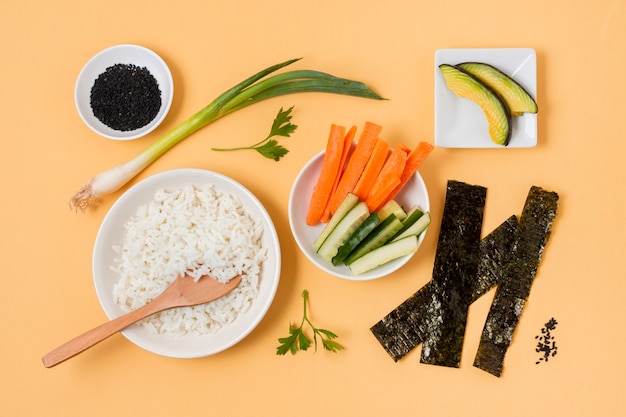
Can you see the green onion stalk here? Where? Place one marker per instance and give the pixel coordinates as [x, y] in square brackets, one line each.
[249, 91]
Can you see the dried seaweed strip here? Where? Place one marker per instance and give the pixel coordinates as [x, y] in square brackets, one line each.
[520, 270]
[454, 273]
[402, 329]
[494, 248]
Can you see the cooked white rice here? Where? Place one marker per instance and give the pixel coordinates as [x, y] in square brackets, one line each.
[194, 230]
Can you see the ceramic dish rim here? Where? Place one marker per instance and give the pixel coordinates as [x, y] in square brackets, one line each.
[122, 54]
[187, 346]
[460, 123]
[297, 208]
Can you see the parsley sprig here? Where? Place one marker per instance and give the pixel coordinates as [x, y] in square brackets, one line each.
[269, 147]
[298, 340]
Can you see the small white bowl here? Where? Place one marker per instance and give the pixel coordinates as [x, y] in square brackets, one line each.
[122, 54]
[412, 194]
[112, 232]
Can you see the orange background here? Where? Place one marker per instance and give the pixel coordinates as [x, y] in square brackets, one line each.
[47, 153]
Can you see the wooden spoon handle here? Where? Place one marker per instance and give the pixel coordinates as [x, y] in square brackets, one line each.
[98, 334]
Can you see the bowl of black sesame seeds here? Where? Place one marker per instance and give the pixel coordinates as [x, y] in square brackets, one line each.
[124, 92]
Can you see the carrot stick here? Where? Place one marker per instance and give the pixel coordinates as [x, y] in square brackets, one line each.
[404, 148]
[356, 163]
[377, 200]
[347, 147]
[389, 174]
[372, 168]
[414, 160]
[330, 170]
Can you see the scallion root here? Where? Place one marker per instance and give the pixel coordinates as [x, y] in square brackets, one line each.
[84, 198]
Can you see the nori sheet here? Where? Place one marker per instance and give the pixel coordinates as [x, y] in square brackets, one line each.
[402, 329]
[520, 269]
[454, 273]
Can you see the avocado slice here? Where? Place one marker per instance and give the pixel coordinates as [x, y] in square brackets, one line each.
[514, 95]
[467, 86]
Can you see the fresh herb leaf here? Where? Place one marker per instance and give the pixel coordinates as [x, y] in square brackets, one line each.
[288, 343]
[303, 341]
[328, 333]
[331, 345]
[282, 124]
[298, 340]
[268, 147]
[272, 150]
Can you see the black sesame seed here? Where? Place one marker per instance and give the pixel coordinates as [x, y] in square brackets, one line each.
[125, 97]
[547, 343]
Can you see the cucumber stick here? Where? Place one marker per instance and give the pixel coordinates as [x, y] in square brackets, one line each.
[359, 234]
[348, 203]
[384, 254]
[344, 229]
[416, 228]
[411, 217]
[378, 237]
[391, 207]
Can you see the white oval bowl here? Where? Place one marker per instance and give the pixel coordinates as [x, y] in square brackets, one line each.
[122, 54]
[413, 193]
[112, 232]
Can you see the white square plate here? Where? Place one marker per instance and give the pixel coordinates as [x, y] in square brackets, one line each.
[461, 123]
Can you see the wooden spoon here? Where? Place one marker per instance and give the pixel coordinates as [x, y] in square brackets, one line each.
[183, 292]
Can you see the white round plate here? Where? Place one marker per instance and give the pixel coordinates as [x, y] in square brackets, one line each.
[112, 232]
[413, 193]
[122, 54]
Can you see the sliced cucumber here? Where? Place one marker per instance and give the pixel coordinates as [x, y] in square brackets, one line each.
[412, 216]
[378, 237]
[384, 254]
[347, 204]
[391, 207]
[359, 234]
[416, 228]
[344, 229]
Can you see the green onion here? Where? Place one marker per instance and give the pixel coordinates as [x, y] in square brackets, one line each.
[249, 91]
